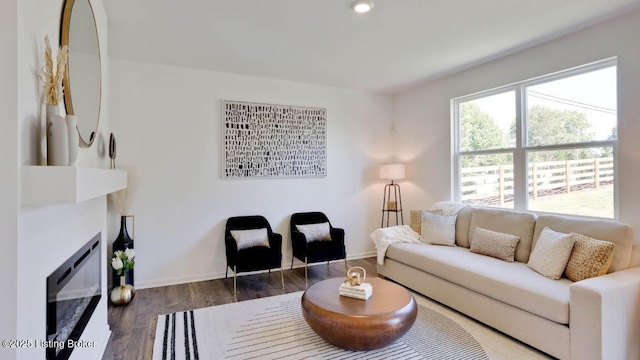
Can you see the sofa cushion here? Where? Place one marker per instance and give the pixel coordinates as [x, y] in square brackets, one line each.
[491, 243]
[606, 230]
[550, 256]
[438, 229]
[448, 207]
[590, 258]
[462, 226]
[512, 283]
[511, 222]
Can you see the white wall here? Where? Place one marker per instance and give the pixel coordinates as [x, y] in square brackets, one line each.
[9, 174]
[167, 122]
[48, 235]
[423, 114]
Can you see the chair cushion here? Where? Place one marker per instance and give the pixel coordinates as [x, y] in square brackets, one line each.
[498, 245]
[316, 232]
[512, 283]
[551, 254]
[590, 258]
[250, 238]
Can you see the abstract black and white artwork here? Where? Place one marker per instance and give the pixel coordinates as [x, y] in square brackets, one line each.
[266, 140]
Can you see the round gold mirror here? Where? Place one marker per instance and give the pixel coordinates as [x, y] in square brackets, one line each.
[82, 83]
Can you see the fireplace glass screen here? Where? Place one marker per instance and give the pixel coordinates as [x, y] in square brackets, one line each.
[73, 292]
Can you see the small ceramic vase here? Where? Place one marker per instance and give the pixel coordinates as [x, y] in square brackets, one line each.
[57, 141]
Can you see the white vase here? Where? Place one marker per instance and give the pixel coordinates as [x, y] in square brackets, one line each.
[57, 141]
[72, 122]
[52, 110]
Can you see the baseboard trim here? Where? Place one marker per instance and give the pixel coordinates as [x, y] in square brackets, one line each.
[102, 346]
[213, 276]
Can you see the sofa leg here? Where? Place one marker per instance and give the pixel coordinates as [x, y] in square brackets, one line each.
[292, 262]
[226, 272]
[269, 271]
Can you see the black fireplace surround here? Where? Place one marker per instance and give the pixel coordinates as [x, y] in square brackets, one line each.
[73, 292]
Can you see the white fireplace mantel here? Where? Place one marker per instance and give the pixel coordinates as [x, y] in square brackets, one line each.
[47, 185]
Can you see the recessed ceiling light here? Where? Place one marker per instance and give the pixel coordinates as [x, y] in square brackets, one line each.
[362, 6]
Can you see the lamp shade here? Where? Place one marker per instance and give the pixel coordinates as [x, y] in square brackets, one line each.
[392, 171]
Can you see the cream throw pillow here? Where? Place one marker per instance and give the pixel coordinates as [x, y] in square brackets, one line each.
[495, 244]
[590, 258]
[551, 254]
[438, 229]
[316, 232]
[250, 238]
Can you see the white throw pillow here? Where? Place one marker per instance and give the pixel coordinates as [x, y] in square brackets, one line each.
[250, 238]
[438, 229]
[316, 232]
[495, 244]
[551, 254]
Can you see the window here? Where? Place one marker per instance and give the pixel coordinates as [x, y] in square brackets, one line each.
[546, 144]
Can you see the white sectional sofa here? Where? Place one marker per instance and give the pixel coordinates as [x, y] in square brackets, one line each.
[596, 318]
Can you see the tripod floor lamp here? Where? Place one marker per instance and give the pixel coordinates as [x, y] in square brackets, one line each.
[392, 204]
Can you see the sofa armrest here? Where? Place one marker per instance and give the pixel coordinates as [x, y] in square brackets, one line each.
[605, 316]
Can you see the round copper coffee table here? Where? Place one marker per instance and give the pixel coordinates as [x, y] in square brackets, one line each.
[356, 324]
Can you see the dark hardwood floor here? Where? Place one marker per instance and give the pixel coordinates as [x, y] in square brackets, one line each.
[133, 326]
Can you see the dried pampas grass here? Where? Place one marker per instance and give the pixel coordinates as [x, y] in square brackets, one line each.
[52, 80]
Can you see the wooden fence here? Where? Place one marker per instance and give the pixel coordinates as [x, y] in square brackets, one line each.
[494, 184]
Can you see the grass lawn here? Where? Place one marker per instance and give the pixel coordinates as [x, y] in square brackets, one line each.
[588, 202]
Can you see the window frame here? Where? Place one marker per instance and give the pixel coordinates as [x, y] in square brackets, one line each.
[522, 149]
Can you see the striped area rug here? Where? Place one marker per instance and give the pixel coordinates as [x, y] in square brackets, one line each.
[274, 328]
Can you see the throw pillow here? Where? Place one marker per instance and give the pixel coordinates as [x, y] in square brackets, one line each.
[250, 238]
[590, 258]
[316, 232]
[438, 229]
[495, 244]
[551, 254]
[416, 219]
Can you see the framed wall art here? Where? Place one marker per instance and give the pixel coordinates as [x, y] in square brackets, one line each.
[268, 140]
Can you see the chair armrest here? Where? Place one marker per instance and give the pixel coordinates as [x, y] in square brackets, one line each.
[231, 249]
[298, 241]
[605, 316]
[337, 235]
[275, 241]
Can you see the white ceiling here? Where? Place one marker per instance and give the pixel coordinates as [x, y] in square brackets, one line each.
[399, 44]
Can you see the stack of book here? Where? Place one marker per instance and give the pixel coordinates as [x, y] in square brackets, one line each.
[362, 291]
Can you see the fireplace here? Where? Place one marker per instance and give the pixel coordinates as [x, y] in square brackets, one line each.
[73, 292]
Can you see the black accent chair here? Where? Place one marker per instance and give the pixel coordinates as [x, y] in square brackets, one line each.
[316, 251]
[253, 258]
